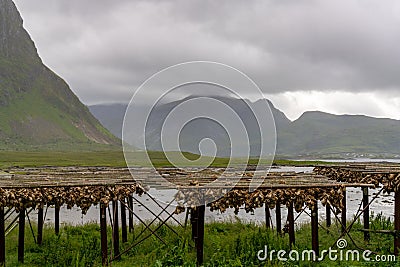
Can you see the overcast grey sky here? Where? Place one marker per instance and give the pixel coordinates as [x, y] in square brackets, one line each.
[334, 56]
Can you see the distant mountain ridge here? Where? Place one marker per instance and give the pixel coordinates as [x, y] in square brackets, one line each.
[312, 134]
[37, 108]
[318, 132]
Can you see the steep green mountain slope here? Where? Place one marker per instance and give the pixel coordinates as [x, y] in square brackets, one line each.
[37, 108]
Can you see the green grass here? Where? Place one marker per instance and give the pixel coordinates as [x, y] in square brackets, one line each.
[54, 158]
[226, 244]
[113, 158]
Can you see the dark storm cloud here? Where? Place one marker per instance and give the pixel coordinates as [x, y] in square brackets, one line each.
[105, 49]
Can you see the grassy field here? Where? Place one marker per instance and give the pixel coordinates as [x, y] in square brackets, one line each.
[226, 244]
[110, 159]
[52, 158]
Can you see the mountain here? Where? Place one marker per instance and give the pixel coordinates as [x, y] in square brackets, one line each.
[111, 116]
[313, 134]
[201, 128]
[323, 133]
[38, 110]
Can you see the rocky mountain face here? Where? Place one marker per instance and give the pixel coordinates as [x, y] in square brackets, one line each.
[38, 110]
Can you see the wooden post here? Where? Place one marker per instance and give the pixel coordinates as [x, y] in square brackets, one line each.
[314, 229]
[200, 235]
[40, 226]
[278, 217]
[21, 235]
[292, 238]
[366, 212]
[2, 238]
[123, 222]
[130, 216]
[103, 234]
[57, 219]
[267, 216]
[396, 222]
[328, 215]
[344, 211]
[197, 221]
[115, 229]
[193, 222]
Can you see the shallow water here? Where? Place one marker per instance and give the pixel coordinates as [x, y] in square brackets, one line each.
[383, 204]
